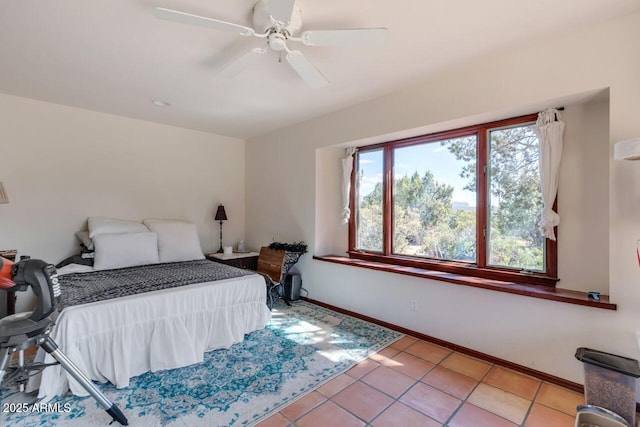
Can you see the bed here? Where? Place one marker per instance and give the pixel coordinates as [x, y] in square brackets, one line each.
[117, 323]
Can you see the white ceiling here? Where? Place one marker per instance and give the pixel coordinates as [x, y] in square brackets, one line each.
[114, 56]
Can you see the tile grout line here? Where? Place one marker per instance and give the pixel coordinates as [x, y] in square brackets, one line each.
[397, 400]
[524, 419]
[551, 407]
[470, 393]
[330, 398]
[419, 380]
[461, 401]
[416, 381]
[394, 400]
[307, 411]
[349, 411]
[533, 399]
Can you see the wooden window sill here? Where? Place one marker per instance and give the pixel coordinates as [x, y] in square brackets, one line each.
[533, 291]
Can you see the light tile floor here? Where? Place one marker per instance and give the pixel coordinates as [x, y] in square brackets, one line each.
[417, 383]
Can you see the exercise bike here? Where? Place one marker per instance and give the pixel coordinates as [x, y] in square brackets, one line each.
[23, 330]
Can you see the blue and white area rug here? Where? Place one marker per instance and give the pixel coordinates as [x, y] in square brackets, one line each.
[302, 347]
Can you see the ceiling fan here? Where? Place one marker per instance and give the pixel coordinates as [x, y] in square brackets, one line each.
[279, 21]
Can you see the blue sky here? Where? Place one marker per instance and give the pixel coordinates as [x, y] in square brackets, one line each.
[420, 158]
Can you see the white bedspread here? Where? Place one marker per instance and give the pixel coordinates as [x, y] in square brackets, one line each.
[121, 338]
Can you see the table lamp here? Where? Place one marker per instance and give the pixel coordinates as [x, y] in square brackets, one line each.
[221, 215]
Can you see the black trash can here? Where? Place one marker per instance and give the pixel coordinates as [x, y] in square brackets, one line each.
[292, 286]
[610, 381]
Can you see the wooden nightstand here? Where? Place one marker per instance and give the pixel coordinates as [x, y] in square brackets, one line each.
[247, 261]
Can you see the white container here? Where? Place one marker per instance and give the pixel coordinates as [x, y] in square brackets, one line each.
[227, 250]
[610, 382]
[595, 416]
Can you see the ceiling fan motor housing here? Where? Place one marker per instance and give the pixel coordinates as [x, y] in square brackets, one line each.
[277, 41]
[262, 21]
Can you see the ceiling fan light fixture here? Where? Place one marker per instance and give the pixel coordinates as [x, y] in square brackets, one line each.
[277, 41]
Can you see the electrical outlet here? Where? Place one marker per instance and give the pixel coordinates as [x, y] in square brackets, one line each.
[414, 305]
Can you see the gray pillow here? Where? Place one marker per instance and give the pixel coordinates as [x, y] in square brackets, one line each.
[84, 238]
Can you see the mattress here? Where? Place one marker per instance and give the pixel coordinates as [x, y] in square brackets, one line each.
[117, 339]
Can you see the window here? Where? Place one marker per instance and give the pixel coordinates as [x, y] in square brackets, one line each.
[515, 200]
[434, 208]
[465, 201]
[370, 219]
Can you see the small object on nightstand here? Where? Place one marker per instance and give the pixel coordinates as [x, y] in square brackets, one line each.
[241, 246]
[10, 254]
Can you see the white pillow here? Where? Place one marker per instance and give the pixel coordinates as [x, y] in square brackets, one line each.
[125, 250]
[177, 241]
[103, 225]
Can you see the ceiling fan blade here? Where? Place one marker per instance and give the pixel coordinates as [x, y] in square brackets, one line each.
[306, 70]
[187, 18]
[280, 12]
[243, 62]
[360, 37]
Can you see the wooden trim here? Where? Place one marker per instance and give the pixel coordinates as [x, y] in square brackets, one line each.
[478, 269]
[352, 204]
[552, 248]
[455, 347]
[533, 291]
[481, 195]
[458, 267]
[387, 201]
[448, 134]
[473, 353]
[9, 254]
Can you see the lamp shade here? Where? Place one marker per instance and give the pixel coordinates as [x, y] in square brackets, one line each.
[3, 195]
[629, 149]
[221, 215]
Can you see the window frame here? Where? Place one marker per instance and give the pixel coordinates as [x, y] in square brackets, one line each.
[479, 269]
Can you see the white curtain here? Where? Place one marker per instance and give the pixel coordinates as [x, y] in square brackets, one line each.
[347, 168]
[549, 128]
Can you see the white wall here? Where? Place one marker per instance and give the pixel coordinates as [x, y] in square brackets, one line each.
[583, 237]
[283, 193]
[60, 165]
